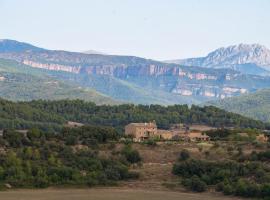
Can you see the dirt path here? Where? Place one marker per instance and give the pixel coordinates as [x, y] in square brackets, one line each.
[152, 176]
[105, 194]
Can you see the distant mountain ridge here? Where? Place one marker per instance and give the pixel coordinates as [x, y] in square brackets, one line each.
[247, 58]
[94, 52]
[137, 80]
[15, 46]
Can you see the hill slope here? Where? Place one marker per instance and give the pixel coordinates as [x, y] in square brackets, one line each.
[23, 83]
[256, 105]
[15, 46]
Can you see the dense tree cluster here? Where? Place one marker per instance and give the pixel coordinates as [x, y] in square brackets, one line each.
[260, 156]
[51, 115]
[41, 159]
[120, 115]
[248, 179]
[233, 134]
[88, 135]
[23, 116]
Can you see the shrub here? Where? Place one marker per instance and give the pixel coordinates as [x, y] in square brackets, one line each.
[195, 184]
[151, 142]
[71, 140]
[131, 155]
[33, 133]
[228, 189]
[184, 155]
[265, 190]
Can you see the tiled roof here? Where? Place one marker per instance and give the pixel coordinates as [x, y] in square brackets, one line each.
[144, 124]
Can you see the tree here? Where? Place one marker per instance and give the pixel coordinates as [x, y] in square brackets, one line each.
[33, 133]
[71, 140]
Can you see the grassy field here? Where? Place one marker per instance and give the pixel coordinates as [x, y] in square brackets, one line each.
[105, 194]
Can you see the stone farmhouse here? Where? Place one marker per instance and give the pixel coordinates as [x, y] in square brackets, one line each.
[144, 131]
[141, 131]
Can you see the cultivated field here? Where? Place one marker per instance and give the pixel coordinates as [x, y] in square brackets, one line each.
[105, 194]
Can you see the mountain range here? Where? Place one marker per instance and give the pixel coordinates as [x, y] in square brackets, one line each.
[138, 80]
[249, 59]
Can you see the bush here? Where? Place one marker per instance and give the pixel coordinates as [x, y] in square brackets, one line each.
[71, 140]
[195, 184]
[41, 182]
[228, 189]
[150, 142]
[184, 155]
[131, 155]
[133, 175]
[265, 190]
[247, 179]
[219, 187]
[33, 133]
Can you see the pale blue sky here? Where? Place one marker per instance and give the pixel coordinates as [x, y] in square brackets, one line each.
[159, 29]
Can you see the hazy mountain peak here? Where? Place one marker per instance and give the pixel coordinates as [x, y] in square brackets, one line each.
[7, 46]
[239, 54]
[242, 48]
[93, 52]
[247, 58]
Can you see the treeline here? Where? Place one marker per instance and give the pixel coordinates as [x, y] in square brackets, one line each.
[88, 135]
[42, 159]
[14, 115]
[55, 113]
[120, 115]
[247, 179]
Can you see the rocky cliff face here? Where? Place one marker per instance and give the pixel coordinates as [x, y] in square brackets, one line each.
[54, 67]
[186, 83]
[124, 71]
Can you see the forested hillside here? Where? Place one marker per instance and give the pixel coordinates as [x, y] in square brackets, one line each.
[256, 105]
[54, 114]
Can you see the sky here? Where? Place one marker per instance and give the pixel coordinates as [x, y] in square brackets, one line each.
[157, 29]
